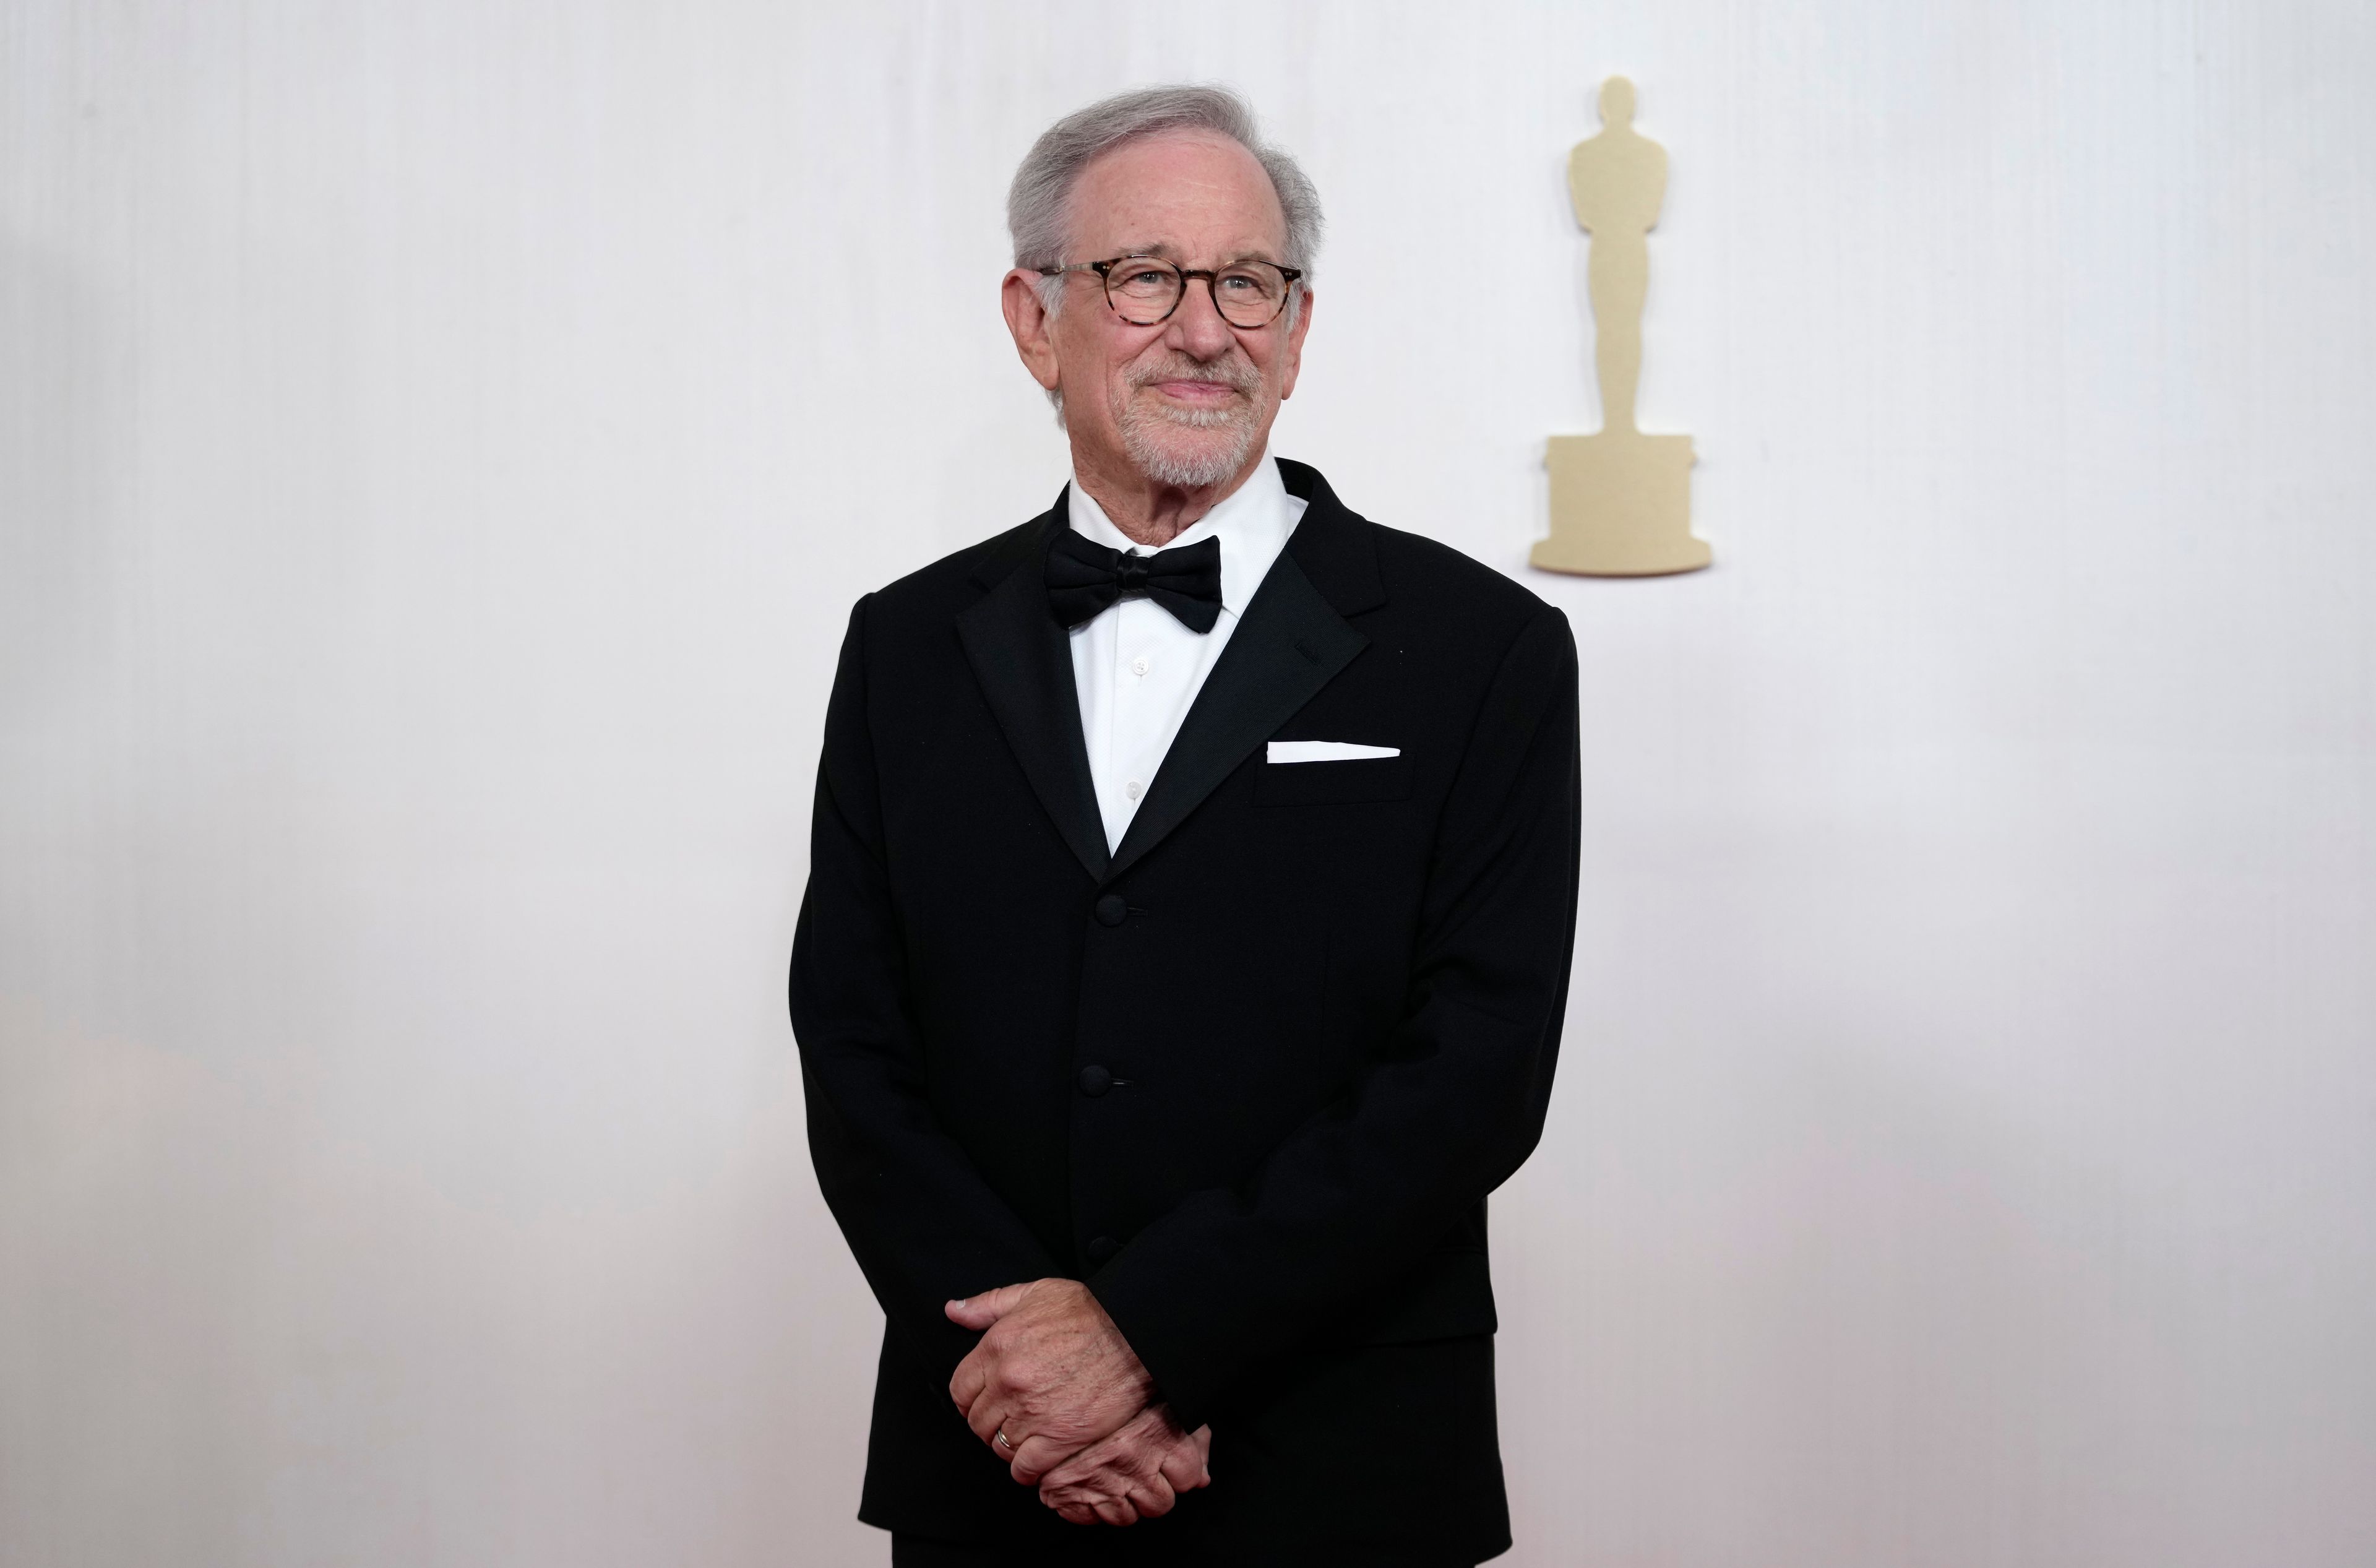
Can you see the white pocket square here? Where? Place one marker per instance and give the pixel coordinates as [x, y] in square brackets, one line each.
[1325, 751]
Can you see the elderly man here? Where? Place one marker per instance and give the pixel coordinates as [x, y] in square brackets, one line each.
[1187, 935]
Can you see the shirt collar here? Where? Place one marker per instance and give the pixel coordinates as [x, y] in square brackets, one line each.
[1252, 523]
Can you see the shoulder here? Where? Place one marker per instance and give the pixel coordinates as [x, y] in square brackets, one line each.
[953, 584]
[1430, 595]
[1467, 616]
[1434, 578]
[1382, 576]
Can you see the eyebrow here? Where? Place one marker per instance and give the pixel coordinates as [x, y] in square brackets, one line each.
[1165, 251]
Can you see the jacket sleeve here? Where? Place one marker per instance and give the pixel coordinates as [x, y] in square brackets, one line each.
[924, 1225]
[1452, 1102]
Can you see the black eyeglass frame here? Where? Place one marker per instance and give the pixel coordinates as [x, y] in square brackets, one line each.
[1104, 270]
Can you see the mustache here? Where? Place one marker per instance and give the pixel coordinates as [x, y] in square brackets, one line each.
[1234, 372]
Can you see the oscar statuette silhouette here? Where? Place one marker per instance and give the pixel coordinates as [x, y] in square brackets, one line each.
[1621, 500]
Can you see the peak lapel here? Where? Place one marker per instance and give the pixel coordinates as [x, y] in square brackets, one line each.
[1290, 643]
[1024, 665]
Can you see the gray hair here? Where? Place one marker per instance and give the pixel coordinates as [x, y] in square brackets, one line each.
[1036, 204]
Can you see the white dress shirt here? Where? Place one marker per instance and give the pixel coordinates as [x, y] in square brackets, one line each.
[1136, 668]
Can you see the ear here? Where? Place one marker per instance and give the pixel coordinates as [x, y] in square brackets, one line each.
[1027, 318]
[1294, 347]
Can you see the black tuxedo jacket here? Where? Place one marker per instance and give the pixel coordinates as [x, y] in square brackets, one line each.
[1251, 1076]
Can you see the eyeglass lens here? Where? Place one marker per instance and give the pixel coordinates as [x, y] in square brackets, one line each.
[1146, 291]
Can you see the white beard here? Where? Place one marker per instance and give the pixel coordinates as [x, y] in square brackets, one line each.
[1203, 463]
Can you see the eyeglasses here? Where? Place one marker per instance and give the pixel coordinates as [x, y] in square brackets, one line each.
[1145, 290]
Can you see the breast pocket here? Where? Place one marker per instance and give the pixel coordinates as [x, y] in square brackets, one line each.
[1333, 783]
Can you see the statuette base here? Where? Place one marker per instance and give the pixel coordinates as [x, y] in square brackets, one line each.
[1621, 506]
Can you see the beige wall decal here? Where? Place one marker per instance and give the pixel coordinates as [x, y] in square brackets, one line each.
[1621, 500]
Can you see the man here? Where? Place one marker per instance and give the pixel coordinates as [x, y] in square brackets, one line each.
[1187, 932]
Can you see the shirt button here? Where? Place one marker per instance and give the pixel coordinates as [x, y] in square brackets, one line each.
[1138, 665]
[1094, 1081]
[1131, 788]
[1111, 910]
[1103, 1248]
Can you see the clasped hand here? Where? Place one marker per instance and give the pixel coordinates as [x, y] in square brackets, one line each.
[1054, 1389]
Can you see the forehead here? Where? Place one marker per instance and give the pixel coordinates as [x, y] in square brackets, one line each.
[1196, 193]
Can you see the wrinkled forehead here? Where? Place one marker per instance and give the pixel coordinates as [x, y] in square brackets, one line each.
[1189, 196]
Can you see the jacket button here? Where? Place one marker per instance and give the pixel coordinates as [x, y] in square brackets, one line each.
[1095, 1081]
[1103, 1248]
[1111, 910]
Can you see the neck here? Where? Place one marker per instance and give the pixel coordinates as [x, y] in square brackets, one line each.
[1149, 511]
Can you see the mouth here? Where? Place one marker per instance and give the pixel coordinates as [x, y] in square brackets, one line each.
[1196, 394]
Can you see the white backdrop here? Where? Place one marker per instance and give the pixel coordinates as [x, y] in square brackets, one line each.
[439, 444]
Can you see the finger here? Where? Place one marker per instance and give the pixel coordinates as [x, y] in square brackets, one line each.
[1122, 1449]
[1038, 1453]
[1077, 1513]
[1102, 1475]
[1074, 1445]
[995, 1410]
[1184, 1467]
[1152, 1496]
[980, 1312]
[990, 1415]
[970, 1378]
[1116, 1510]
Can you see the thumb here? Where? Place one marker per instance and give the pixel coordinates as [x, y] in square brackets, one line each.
[980, 1312]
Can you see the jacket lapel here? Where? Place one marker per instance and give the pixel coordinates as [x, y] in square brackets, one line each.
[1292, 642]
[1024, 665]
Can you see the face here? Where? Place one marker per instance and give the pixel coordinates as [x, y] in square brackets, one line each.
[1187, 401]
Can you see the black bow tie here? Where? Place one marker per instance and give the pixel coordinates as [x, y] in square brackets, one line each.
[1084, 576]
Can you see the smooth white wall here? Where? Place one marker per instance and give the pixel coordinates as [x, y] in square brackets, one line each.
[439, 444]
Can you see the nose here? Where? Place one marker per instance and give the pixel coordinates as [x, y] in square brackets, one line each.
[1196, 327]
